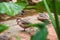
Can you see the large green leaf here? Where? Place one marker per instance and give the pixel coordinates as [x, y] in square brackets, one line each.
[11, 8]
[3, 27]
[41, 34]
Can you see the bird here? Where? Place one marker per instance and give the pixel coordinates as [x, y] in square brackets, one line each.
[24, 23]
[44, 17]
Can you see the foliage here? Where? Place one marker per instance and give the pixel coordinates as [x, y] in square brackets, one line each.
[56, 21]
[11, 9]
[39, 7]
[42, 33]
[3, 27]
[49, 13]
[50, 4]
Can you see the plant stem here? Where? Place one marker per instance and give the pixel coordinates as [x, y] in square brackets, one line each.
[56, 18]
[56, 21]
[49, 13]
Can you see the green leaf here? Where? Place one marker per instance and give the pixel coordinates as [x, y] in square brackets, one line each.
[49, 13]
[41, 34]
[3, 27]
[39, 7]
[11, 9]
[56, 21]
